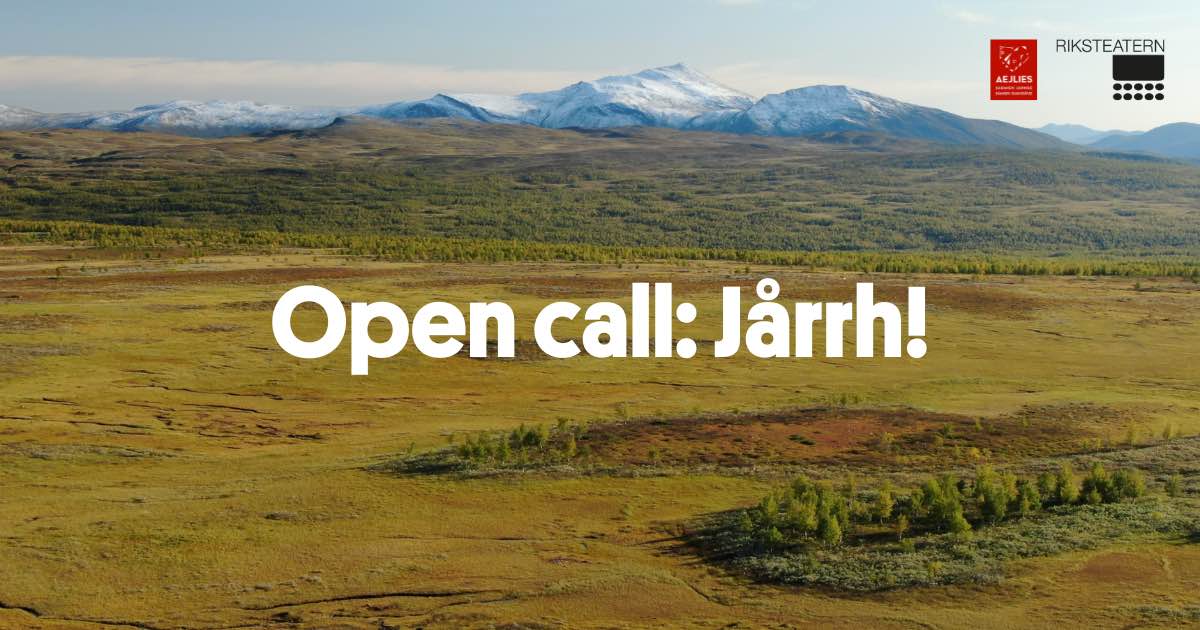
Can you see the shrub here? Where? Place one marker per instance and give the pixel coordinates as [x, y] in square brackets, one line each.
[1128, 483]
[829, 531]
[884, 503]
[1097, 486]
[1047, 486]
[992, 494]
[958, 525]
[1066, 489]
[1029, 498]
[1174, 486]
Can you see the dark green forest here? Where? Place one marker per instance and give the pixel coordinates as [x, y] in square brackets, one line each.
[629, 189]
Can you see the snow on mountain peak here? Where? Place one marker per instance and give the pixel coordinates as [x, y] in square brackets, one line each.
[213, 118]
[831, 100]
[194, 118]
[14, 116]
[686, 78]
[674, 96]
[807, 109]
[8, 109]
[669, 96]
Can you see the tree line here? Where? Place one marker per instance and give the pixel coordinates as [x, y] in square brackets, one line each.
[810, 512]
[143, 241]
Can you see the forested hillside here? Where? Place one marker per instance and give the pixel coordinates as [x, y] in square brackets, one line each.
[627, 188]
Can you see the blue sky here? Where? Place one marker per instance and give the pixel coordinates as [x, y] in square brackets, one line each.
[68, 56]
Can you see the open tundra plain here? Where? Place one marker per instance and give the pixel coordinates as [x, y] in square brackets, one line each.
[164, 464]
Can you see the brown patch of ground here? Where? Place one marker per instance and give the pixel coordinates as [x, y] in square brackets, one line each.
[785, 437]
[861, 436]
[1031, 431]
[984, 300]
[1121, 567]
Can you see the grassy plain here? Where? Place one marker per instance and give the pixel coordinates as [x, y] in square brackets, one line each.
[164, 464]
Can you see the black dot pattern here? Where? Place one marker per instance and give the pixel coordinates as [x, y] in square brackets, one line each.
[1139, 91]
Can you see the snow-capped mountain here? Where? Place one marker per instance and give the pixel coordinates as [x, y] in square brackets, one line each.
[20, 118]
[815, 109]
[671, 96]
[213, 118]
[832, 108]
[16, 117]
[439, 106]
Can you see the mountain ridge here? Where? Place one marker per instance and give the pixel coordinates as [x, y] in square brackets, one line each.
[675, 96]
[1082, 134]
[1179, 140]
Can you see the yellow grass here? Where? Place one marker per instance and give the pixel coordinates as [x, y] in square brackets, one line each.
[164, 464]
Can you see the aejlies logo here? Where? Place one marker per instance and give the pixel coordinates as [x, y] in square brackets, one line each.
[1014, 69]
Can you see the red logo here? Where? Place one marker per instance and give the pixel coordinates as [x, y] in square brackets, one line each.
[1014, 69]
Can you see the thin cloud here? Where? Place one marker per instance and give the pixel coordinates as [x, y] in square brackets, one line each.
[968, 17]
[104, 82]
[1047, 26]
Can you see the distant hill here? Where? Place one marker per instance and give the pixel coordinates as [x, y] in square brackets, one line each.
[1176, 140]
[1080, 134]
[1180, 141]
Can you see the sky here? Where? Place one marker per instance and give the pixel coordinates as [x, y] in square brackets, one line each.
[58, 55]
